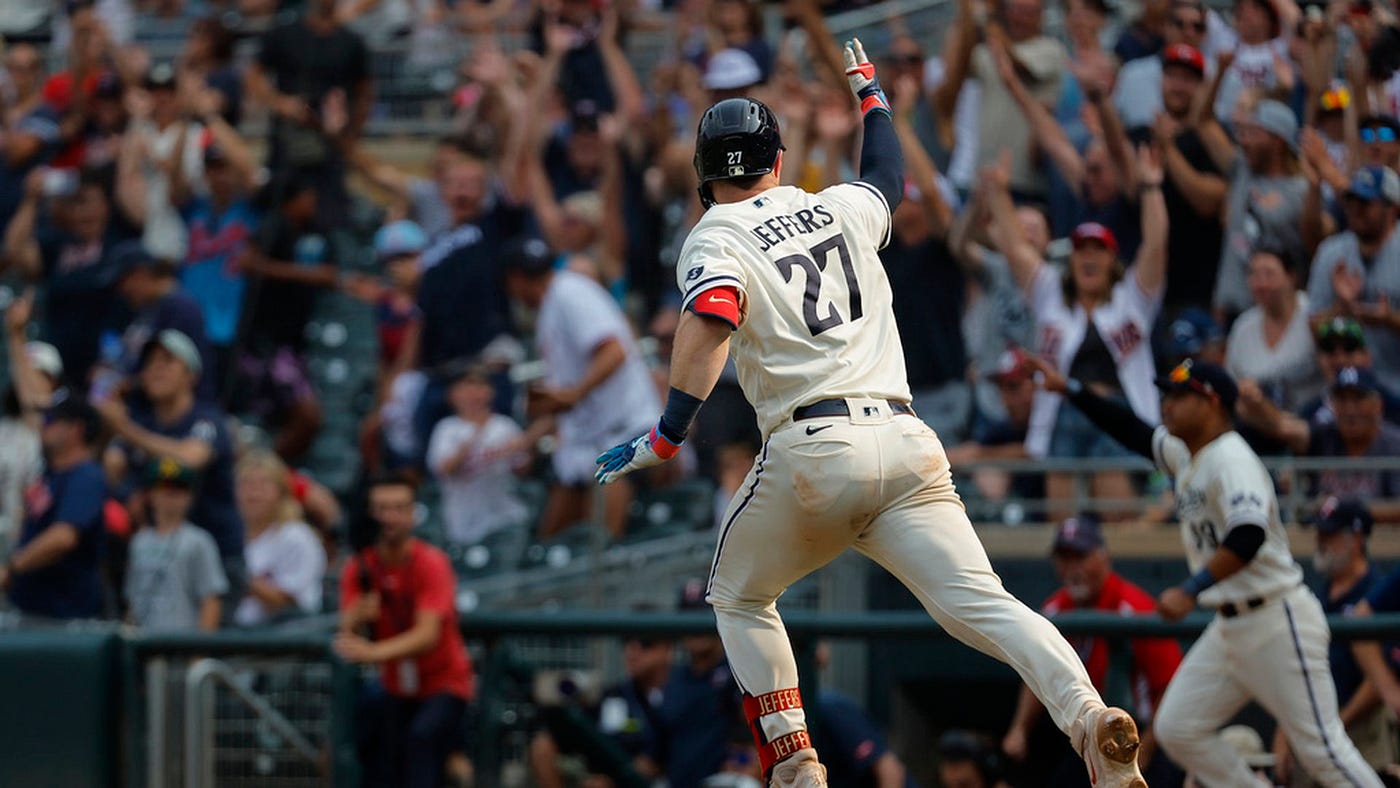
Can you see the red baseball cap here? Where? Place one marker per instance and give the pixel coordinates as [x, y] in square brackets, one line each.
[1093, 231]
[1184, 55]
[1013, 365]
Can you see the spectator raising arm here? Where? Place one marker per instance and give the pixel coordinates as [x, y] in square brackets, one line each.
[628, 102]
[1217, 143]
[1048, 132]
[922, 172]
[1022, 256]
[1150, 265]
[21, 249]
[30, 390]
[957, 63]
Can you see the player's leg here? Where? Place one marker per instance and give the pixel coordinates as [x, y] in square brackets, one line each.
[923, 537]
[1201, 698]
[931, 547]
[1294, 683]
[792, 515]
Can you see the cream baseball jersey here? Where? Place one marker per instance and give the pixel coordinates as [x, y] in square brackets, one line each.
[816, 320]
[1223, 486]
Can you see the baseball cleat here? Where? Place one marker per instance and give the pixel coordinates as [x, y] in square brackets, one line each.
[1108, 740]
[800, 771]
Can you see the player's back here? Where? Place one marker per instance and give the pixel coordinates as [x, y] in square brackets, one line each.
[817, 320]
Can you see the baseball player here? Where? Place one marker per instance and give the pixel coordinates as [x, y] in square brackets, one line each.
[790, 283]
[1269, 639]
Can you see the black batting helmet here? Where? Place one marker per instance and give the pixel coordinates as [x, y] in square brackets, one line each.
[737, 138]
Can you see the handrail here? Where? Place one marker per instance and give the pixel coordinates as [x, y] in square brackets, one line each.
[800, 623]
[1094, 464]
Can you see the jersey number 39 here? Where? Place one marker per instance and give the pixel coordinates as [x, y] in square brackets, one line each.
[813, 266]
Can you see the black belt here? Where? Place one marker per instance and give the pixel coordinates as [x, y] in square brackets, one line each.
[838, 407]
[1231, 609]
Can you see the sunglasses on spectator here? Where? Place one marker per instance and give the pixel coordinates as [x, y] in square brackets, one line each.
[1348, 337]
[1378, 134]
[907, 59]
[1197, 26]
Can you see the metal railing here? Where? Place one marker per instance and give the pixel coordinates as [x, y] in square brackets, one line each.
[323, 741]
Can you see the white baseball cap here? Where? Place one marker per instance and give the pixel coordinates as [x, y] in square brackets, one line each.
[731, 69]
[45, 358]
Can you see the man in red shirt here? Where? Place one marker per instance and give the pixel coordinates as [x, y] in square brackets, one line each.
[401, 593]
[1132, 678]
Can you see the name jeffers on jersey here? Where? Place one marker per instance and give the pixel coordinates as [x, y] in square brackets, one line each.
[779, 228]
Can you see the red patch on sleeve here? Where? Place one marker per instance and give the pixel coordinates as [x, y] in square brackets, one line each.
[721, 302]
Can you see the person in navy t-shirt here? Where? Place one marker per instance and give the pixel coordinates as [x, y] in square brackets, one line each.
[55, 572]
[173, 423]
[150, 287]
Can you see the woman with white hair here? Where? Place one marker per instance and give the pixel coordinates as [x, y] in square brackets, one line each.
[286, 563]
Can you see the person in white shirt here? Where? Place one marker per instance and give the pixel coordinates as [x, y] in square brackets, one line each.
[474, 454]
[596, 384]
[1272, 343]
[1093, 321]
[286, 562]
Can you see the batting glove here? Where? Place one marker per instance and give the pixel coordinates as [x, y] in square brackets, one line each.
[861, 74]
[643, 451]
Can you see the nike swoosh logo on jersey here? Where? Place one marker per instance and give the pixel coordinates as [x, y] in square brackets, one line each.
[714, 299]
[815, 430]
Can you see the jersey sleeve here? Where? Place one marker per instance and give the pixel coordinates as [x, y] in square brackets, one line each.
[710, 259]
[862, 206]
[1244, 495]
[1169, 453]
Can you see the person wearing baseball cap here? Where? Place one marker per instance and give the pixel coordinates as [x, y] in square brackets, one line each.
[55, 569]
[1088, 582]
[174, 580]
[1366, 258]
[1004, 438]
[1265, 199]
[151, 288]
[170, 421]
[1341, 342]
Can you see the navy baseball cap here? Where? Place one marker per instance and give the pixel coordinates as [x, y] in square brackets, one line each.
[1081, 534]
[529, 256]
[1373, 183]
[1356, 378]
[1201, 377]
[1191, 332]
[1339, 515]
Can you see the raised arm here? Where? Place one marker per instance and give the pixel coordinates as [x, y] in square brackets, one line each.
[1150, 267]
[614, 230]
[21, 250]
[826, 54]
[627, 90]
[881, 161]
[957, 63]
[1024, 259]
[29, 389]
[1120, 148]
[1258, 411]
[1048, 133]
[1212, 135]
[922, 172]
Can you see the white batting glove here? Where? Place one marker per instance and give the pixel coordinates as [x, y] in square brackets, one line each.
[860, 72]
[643, 451]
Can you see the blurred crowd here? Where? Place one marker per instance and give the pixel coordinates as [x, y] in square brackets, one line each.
[1112, 189]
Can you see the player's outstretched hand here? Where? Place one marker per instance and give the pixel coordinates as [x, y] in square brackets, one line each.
[860, 72]
[1175, 603]
[643, 451]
